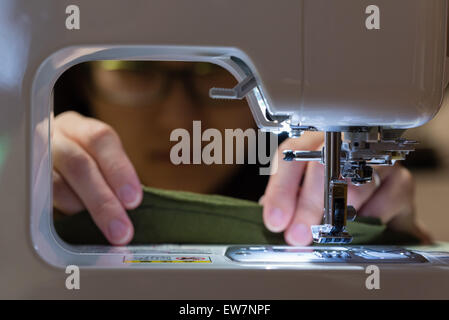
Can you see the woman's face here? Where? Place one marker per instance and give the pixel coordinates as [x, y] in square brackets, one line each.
[145, 102]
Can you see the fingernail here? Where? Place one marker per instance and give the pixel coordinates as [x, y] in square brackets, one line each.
[276, 217]
[299, 234]
[128, 195]
[118, 231]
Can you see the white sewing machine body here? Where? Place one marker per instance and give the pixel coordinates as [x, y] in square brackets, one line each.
[332, 73]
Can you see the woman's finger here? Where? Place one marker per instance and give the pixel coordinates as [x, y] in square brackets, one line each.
[395, 196]
[282, 190]
[358, 195]
[84, 177]
[310, 209]
[393, 203]
[64, 199]
[104, 146]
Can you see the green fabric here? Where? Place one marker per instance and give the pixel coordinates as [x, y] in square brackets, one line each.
[189, 218]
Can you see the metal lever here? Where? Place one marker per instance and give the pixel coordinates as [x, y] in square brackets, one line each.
[238, 92]
[290, 155]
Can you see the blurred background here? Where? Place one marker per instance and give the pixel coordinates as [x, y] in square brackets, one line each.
[430, 166]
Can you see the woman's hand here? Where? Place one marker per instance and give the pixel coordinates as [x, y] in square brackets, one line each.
[292, 208]
[91, 171]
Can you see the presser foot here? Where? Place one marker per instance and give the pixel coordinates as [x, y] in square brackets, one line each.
[327, 233]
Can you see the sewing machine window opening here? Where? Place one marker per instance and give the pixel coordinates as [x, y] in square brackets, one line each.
[100, 89]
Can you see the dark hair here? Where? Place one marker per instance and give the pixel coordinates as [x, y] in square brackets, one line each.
[70, 90]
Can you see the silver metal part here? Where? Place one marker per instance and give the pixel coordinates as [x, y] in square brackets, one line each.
[290, 155]
[332, 147]
[325, 233]
[295, 133]
[356, 254]
[352, 159]
[358, 150]
[238, 92]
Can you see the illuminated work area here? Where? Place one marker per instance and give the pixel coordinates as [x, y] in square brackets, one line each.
[303, 145]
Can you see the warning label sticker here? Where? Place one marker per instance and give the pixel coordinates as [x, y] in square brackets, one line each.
[165, 259]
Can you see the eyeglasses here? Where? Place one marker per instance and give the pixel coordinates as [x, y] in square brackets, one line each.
[148, 82]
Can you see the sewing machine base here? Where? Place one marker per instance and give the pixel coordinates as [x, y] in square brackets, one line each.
[249, 257]
[222, 272]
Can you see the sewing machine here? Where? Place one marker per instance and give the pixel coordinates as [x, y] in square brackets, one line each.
[337, 66]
